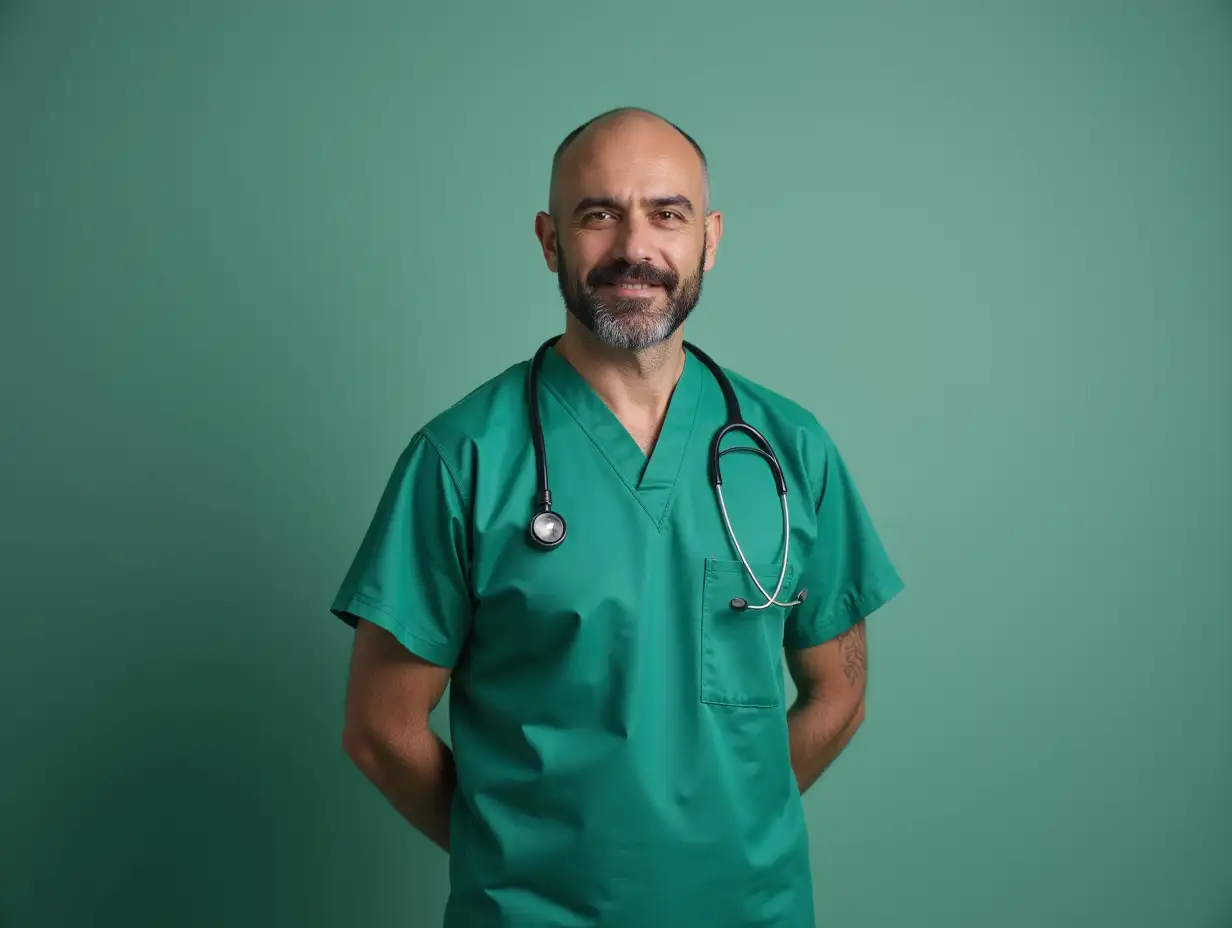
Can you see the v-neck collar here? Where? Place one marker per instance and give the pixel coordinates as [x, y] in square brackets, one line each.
[651, 480]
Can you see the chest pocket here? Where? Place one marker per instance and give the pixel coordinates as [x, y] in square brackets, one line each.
[741, 660]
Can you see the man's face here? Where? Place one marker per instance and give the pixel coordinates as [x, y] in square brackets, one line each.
[629, 236]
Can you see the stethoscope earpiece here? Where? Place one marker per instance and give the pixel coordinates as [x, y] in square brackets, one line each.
[740, 604]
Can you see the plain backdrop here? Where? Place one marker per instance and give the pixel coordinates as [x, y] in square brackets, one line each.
[247, 248]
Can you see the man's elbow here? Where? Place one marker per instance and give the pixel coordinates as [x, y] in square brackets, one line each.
[361, 745]
[374, 744]
[857, 717]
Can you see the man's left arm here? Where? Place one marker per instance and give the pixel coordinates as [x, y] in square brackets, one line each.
[829, 708]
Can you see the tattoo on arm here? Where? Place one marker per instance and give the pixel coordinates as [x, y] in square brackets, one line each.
[855, 653]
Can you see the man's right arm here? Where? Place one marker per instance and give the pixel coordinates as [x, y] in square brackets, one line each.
[390, 696]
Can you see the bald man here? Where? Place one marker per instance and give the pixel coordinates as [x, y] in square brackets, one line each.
[615, 626]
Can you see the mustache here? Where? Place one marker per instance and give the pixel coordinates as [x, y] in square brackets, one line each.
[641, 273]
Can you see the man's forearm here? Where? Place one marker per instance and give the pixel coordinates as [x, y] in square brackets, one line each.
[418, 777]
[818, 732]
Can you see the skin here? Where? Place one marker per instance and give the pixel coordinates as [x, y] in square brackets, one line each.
[633, 163]
[830, 683]
[390, 696]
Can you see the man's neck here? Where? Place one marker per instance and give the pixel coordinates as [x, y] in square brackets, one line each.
[635, 385]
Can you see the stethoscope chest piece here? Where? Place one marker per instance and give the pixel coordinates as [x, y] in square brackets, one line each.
[547, 529]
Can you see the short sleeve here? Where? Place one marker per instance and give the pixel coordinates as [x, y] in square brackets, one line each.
[849, 574]
[411, 573]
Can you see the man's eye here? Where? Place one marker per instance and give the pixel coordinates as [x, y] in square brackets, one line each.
[668, 214]
[599, 214]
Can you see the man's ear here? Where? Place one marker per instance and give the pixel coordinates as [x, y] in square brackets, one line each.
[714, 232]
[545, 231]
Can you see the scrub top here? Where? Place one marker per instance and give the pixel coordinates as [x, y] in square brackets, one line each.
[619, 731]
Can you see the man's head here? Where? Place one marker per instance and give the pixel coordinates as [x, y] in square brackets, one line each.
[628, 229]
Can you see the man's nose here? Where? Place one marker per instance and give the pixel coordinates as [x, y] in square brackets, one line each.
[634, 240]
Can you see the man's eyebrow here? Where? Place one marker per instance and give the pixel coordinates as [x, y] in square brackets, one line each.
[675, 200]
[588, 203]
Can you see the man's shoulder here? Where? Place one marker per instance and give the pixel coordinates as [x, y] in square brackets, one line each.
[775, 410]
[488, 404]
[493, 411]
[797, 434]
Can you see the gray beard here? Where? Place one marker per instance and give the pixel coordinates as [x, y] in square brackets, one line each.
[629, 324]
[631, 329]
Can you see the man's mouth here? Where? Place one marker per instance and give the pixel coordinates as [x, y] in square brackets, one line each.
[632, 286]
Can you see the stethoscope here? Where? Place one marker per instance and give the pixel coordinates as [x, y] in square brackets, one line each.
[547, 528]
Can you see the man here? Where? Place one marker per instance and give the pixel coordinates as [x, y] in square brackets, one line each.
[622, 749]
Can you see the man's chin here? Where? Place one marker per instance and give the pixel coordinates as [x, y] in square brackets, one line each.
[632, 333]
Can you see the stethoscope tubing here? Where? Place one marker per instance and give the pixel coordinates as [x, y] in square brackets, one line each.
[735, 423]
[771, 599]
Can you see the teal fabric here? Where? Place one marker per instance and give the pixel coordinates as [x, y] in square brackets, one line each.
[619, 731]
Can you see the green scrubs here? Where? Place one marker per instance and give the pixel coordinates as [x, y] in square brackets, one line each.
[619, 731]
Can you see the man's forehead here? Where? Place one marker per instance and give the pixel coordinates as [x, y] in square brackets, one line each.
[629, 155]
[631, 171]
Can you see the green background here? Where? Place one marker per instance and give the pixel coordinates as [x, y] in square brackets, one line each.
[988, 244]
